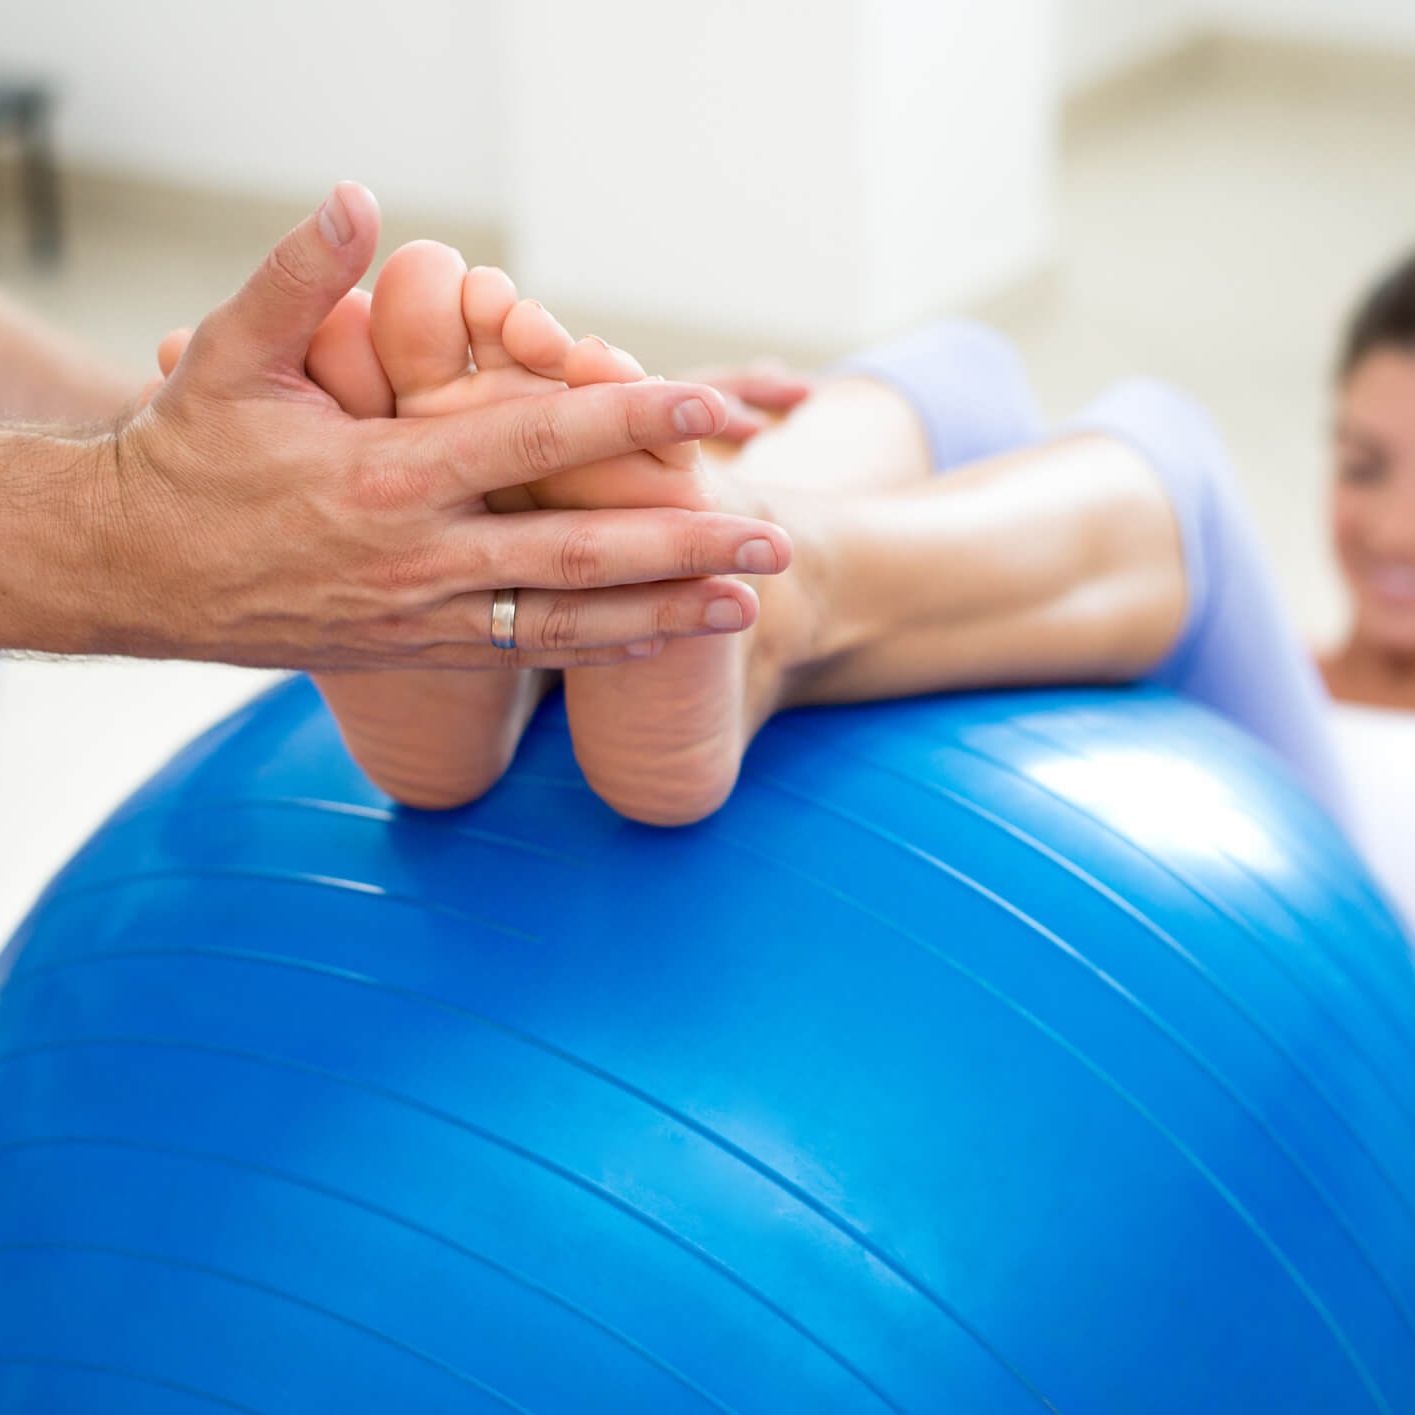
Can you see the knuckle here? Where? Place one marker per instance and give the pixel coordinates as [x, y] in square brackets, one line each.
[382, 484]
[560, 628]
[695, 544]
[540, 445]
[668, 618]
[580, 558]
[636, 420]
[289, 269]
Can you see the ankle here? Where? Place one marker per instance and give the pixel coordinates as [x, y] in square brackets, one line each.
[810, 617]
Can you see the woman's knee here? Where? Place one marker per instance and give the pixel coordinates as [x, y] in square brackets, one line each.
[1168, 424]
[968, 383]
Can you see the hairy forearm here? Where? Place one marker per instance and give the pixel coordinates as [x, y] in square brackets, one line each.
[46, 377]
[51, 542]
[1060, 563]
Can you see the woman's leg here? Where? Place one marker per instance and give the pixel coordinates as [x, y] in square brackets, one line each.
[1056, 563]
[1060, 562]
[1119, 550]
[663, 743]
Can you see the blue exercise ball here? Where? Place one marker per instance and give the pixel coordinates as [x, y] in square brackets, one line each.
[994, 1053]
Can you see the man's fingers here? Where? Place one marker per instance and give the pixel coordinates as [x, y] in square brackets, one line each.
[463, 455]
[268, 322]
[551, 622]
[574, 550]
[169, 353]
[171, 349]
[148, 391]
[463, 657]
[569, 628]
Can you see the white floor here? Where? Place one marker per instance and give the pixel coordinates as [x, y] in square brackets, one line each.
[1212, 232]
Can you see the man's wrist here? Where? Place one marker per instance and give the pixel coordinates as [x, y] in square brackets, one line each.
[60, 500]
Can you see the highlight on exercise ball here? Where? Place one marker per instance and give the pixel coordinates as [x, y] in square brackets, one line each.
[993, 1053]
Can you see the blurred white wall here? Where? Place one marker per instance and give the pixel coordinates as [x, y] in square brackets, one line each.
[816, 170]
[280, 97]
[283, 97]
[1353, 22]
[1102, 38]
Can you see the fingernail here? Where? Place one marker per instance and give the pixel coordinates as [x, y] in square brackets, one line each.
[757, 557]
[723, 614]
[645, 649]
[335, 223]
[597, 341]
[693, 418]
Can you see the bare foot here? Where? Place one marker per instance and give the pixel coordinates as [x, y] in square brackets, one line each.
[662, 742]
[658, 739]
[439, 738]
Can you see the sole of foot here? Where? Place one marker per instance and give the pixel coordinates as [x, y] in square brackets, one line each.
[659, 741]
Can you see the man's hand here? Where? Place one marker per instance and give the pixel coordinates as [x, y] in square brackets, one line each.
[242, 516]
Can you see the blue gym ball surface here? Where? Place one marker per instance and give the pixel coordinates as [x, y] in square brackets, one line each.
[1010, 1052]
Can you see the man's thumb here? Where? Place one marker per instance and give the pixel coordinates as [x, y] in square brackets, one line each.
[276, 312]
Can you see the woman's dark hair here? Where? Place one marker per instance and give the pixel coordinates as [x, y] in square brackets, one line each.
[1385, 317]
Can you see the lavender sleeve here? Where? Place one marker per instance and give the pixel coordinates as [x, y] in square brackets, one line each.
[1238, 652]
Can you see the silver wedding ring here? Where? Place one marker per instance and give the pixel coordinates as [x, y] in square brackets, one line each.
[503, 619]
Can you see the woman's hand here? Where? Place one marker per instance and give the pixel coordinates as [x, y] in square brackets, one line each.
[757, 394]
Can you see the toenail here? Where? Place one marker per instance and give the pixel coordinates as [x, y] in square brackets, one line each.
[693, 418]
[724, 613]
[597, 341]
[757, 557]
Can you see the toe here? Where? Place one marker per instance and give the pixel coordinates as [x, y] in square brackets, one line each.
[536, 339]
[416, 318]
[488, 296]
[341, 359]
[594, 361]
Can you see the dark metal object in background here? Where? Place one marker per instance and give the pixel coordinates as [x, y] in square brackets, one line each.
[25, 110]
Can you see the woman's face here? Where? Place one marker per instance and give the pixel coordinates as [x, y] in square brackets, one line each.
[1373, 505]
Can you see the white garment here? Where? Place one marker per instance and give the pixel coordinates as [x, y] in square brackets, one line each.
[1377, 751]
